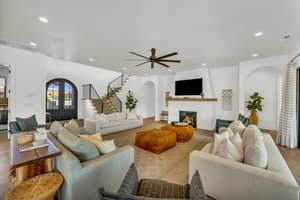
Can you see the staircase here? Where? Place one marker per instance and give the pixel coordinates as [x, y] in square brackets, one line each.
[109, 102]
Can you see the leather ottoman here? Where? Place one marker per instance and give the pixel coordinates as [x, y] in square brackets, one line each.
[184, 133]
[155, 140]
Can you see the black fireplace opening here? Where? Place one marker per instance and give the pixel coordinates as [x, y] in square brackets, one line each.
[188, 117]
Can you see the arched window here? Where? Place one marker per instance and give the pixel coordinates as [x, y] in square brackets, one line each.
[61, 100]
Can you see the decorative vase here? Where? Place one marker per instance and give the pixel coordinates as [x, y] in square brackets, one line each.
[253, 118]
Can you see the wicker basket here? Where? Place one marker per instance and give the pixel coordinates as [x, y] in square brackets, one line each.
[42, 187]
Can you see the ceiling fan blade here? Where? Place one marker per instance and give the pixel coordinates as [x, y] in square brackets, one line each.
[139, 55]
[168, 55]
[142, 63]
[163, 64]
[177, 61]
[135, 59]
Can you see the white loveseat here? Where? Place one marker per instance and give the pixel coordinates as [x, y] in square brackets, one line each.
[225, 179]
[111, 123]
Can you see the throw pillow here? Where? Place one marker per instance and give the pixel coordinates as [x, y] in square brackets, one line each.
[96, 139]
[230, 151]
[55, 128]
[217, 140]
[196, 188]
[249, 134]
[131, 116]
[256, 154]
[130, 182]
[237, 126]
[27, 124]
[107, 146]
[82, 149]
[120, 116]
[73, 127]
[111, 117]
[237, 141]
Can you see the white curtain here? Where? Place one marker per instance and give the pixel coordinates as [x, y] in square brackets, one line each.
[288, 118]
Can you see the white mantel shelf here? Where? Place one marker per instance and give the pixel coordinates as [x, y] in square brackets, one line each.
[191, 99]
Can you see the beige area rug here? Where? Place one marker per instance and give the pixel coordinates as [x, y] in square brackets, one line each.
[171, 165]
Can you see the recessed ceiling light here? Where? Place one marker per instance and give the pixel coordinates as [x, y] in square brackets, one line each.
[170, 70]
[124, 68]
[258, 34]
[255, 55]
[33, 44]
[204, 64]
[43, 19]
[91, 59]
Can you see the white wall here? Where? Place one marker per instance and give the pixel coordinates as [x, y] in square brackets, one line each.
[149, 99]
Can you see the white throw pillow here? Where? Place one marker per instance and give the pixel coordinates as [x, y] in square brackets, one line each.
[217, 140]
[102, 119]
[229, 150]
[131, 116]
[237, 141]
[55, 128]
[249, 135]
[111, 117]
[107, 146]
[256, 154]
[237, 126]
[120, 116]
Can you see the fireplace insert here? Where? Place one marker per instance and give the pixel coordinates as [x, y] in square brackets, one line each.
[189, 117]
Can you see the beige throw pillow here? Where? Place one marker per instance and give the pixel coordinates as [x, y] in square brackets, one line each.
[230, 151]
[131, 116]
[256, 153]
[107, 146]
[96, 139]
[249, 135]
[55, 128]
[73, 127]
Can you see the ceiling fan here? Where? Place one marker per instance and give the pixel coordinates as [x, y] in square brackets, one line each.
[154, 59]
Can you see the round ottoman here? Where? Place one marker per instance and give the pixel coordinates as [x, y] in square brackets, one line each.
[184, 133]
[42, 187]
[155, 140]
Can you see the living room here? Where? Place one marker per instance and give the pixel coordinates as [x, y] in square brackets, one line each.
[159, 84]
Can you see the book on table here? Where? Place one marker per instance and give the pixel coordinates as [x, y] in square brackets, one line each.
[33, 145]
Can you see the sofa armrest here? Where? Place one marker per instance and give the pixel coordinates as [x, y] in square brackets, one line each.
[105, 171]
[227, 179]
[141, 119]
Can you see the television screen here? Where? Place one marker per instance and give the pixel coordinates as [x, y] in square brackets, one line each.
[188, 87]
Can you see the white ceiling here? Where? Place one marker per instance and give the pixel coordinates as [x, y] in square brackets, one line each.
[217, 32]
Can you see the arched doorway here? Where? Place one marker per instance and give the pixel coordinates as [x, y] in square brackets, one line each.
[149, 99]
[61, 100]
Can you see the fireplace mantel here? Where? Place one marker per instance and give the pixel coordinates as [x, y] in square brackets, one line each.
[191, 99]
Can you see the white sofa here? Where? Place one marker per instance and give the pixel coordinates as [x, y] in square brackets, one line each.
[115, 122]
[225, 179]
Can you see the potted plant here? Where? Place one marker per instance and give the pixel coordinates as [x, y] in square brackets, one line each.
[131, 101]
[254, 105]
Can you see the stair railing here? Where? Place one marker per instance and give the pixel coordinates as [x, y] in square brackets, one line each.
[112, 88]
[90, 93]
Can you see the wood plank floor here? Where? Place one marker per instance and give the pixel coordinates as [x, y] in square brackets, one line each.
[292, 158]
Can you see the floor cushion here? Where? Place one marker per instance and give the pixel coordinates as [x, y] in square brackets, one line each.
[155, 140]
[184, 133]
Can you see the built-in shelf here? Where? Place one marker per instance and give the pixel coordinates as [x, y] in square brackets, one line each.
[191, 99]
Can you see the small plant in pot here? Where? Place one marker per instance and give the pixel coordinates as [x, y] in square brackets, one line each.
[131, 101]
[254, 105]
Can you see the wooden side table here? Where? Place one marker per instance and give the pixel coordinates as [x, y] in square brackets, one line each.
[41, 187]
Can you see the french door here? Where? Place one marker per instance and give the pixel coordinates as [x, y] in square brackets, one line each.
[62, 100]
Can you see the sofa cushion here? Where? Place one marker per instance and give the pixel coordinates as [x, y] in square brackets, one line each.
[82, 149]
[131, 116]
[256, 153]
[27, 124]
[55, 128]
[73, 127]
[111, 117]
[237, 126]
[120, 116]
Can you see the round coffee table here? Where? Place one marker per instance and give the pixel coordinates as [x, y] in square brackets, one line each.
[184, 133]
[41, 187]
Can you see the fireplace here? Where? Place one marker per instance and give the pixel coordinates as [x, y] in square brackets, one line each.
[188, 117]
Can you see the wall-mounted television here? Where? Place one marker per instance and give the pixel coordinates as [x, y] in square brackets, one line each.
[189, 87]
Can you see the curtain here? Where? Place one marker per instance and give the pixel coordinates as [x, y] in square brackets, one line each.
[288, 118]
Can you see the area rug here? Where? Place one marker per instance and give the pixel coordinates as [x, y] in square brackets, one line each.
[170, 165]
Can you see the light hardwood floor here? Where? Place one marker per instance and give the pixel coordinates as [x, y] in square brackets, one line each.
[292, 158]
